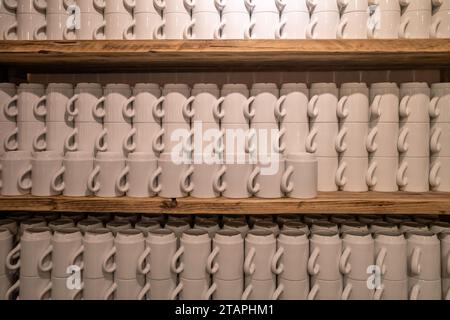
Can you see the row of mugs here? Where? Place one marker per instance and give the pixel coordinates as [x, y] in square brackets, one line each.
[325, 257]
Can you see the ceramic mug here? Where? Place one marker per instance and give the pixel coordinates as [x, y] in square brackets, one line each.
[300, 179]
[391, 255]
[104, 179]
[131, 255]
[131, 289]
[413, 174]
[67, 251]
[357, 255]
[423, 255]
[325, 248]
[295, 254]
[14, 165]
[98, 252]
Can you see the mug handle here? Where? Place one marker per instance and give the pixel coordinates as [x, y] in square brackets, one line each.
[209, 262]
[186, 186]
[217, 110]
[341, 180]
[97, 35]
[189, 3]
[379, 293]
[278, 292]
[41, 29]
[402, 144]
[15, 145]
[249, 113]
[415, 261]
[123, 188]
[70, 107]
[128, 33]
[188, 32]
[109, 256]
[76, 255]
[249, 266]
[129, 113]
[145, 290]
[155, 186]
[280, 145]
[340, 30]
[311, 145]
[347, 291]
[99, 145]
[38, 5]
[375, 110]
[280, 112]
[99, 112]
[313, 111]
[25, 172]
[8, 110]
[13, 288]
[71, 137]
[247, 292]
[435, 180]
[67, 34]
[220, 4]
[277, 268]
[11, 5]
[157, 109]
[415, 291]
[36, 105]
[344, 266]
[313, 293]
[310, 29]
[371, 179]
[254, 187]
[379, 261]
[313, 267]
[160, 4]
[249, 29]
[249, 137]
[210, 291]
[402, 180]
[156, 145]
[129, 4]
[49, 266]
[94, 187]
[402, 30]
[175, 258]
[219, 29]
[110, 292]
[10, 256]
[434, 28]
[404, 109]
[143, 259]
[435, 111]
[217, 186]
[340, 144]
[59, 188]
[8, 34]
[177, 290]
[47, 290]
[435, 145]
[279, 31]
[188, 111]
[287, 186]
[371, 145]
[130, 147]
[100, 4]
[43, 145]
[158, 33]
[342, 111]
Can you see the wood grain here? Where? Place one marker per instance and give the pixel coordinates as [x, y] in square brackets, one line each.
[175, 55]
[335, 202]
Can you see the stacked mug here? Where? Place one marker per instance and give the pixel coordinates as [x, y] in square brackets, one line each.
[59, 126]
[445, 263]
[67, 260]
[414, 137]
[383, 137]
[161, 277]
[91, 19]
[235, 19]
[384, 22]
[265, 19]
[415, 19]
[147, 16]
[117, 21]
[208, 164]
[424, 269]
[260, 265]
[294, 19]
[176, 21]
[8, 113]
[293, 279]
[354, 19]
[226, 264]
[34, 261]
[440, 22]
[205, 23]
[6, 245]
[190, 262]
[131, 266]
[7, 18]
[88, 123]
[440, 137]
[353, 111]
[325, 18]
[324, 128]
[30, 15]
[57, 20]
[105, 179]
[98, 269]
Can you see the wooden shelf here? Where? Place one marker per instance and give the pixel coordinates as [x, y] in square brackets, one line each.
[335, 202]
[176, 55]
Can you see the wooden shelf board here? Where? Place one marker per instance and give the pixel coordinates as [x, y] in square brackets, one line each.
[176, 55]
[335, 202]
